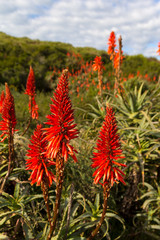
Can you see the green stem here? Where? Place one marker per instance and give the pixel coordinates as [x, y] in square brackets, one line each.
[69, 211]
[10, 158]
[59, 176]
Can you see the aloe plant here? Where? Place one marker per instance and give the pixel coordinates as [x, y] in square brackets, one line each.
[148, 220]
[84, 216]
[15, 213]
[131, 102]
[94, 211]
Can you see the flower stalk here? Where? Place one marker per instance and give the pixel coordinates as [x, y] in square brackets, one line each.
[39, 164]
[59, 181]
[106, 192]
[31, 92]
[7, 126]
[117, 65]
[98, 66]
[58, 135]
[44, 188]
[108, 151]
[116, 58]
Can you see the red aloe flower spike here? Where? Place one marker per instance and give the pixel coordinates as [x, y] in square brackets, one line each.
[30, 91]
[98, 66]
[38, 162]
[1, 100]
[118, 59]
[61, 121]
[108, 152]
[105, 160]
[61, 131]
[30, 86]
[111, 44]
[158, 51]
[7, 126]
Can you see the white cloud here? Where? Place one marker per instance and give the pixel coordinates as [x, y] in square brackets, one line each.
[85, 22]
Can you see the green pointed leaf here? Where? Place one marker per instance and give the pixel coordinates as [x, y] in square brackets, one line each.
[3, 220]
[148, 194]
[9, 197]
[2, 167]
[31, 198]
[16, 191]
[4, 204]
[147, 202]
[97, 201]
[77, 238]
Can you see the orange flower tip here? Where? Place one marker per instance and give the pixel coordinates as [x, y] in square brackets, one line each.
[111, 43]
[98, 65]
[30, 86]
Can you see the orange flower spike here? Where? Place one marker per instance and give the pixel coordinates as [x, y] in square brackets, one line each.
[61, 127]
[116, 59]
[158, 51]
[60, 131]
[108, 151]
[98, 65]
[38, 161]
[8, 110]
[30, 91]
[2, 100]
[8, 114]
[111, 43]
[30, 86]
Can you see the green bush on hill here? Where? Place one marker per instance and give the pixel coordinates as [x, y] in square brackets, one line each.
[17, 54]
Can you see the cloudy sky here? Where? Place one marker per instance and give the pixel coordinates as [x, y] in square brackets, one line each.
[85, 22]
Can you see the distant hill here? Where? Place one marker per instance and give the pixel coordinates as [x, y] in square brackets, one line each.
[17, 54]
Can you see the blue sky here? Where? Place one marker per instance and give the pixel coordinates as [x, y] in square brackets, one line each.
[85, 22]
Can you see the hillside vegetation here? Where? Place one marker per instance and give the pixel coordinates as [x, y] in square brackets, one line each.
[17, 54]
